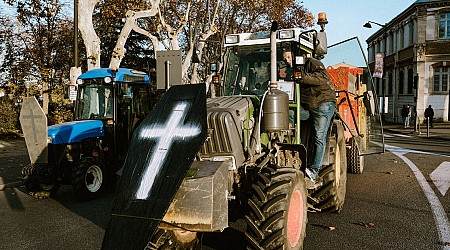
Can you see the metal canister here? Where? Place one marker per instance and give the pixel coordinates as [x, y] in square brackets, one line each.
[275, 111]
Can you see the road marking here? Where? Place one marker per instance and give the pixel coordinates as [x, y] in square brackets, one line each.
[396, 135]
[441, 177]
[439, 214]
[402, 135]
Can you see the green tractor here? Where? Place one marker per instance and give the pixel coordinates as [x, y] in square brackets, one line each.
[252, 162]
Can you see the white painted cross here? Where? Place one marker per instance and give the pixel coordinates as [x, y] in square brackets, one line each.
[441, 177]
[165, 134]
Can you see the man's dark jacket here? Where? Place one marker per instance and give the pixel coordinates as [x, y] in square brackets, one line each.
[316, 87]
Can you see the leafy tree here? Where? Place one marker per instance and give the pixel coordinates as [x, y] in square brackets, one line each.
[40, 49]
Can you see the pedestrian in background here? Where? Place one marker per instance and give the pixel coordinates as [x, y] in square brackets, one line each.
[406, 115]
[429, 114]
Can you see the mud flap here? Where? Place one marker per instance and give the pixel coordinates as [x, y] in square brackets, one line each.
[161, 151]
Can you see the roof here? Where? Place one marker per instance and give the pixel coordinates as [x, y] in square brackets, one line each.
[401, 15]
[427, 1]
[122, 75]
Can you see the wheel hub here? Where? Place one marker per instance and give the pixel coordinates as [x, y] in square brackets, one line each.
[295, 218]
[93, 178]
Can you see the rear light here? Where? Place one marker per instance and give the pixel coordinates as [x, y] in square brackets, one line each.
[215, 79]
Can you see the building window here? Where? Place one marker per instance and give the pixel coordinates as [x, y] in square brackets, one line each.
[391, 43]
[440, 79]
[390, 85]
[444, 26]
[411, 33]
[410, 81]
[401, 82]
[401, 38]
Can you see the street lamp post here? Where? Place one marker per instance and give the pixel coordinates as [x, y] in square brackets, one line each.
[369, 26]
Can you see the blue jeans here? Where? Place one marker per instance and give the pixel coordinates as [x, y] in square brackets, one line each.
[406, 121]
[321, 118]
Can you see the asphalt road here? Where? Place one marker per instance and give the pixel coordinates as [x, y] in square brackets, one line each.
[394, 204]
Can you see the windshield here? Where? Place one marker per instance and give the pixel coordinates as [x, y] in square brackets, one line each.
[95, 100]
[248, 69]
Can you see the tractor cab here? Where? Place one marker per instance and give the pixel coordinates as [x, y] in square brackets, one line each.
[248, 70]
[119, 98]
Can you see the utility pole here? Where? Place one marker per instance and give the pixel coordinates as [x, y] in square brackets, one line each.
[76, 70]
[75, 35]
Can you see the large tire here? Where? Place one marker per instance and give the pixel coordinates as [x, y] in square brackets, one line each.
[330, 197]
[172, 239]
[355, 162]
[89, 178]
[35, 185]
[277, 209]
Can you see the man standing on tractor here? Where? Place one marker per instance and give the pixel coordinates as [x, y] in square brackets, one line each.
[317, 95]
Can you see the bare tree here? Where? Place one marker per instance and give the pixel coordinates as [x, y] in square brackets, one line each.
[189, 26]
[86, 27]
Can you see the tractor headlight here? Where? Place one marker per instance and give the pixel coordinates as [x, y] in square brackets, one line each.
[230, 39]
[107, 79]
[286, 34]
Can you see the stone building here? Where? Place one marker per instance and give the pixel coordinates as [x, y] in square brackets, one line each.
[416, 69]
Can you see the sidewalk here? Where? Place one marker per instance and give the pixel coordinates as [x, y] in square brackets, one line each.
[440, 131]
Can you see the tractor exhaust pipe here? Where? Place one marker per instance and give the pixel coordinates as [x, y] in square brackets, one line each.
[273, 55]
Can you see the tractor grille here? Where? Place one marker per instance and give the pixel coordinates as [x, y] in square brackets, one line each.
[226, 116]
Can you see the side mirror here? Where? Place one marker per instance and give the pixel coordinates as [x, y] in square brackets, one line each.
[369, 103]
[321, 46]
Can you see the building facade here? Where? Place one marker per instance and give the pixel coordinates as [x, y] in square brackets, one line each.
[416, 68]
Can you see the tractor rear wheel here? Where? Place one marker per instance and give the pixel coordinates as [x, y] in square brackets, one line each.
[172, 239]
[88, 178]
[277, 209]
[330, 197]
[355, 162]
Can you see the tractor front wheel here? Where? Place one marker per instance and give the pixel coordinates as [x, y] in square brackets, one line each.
[277, 210]
[88, 178]
[37, 185]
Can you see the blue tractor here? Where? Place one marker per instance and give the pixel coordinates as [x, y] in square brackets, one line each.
[88, 151]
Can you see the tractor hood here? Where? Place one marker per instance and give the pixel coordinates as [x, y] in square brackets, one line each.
[70, 132]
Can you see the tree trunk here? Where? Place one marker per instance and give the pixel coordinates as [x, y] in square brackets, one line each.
[86, 27]
[130, 24]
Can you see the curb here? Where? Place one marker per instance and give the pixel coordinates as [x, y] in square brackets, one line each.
[9, 185]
